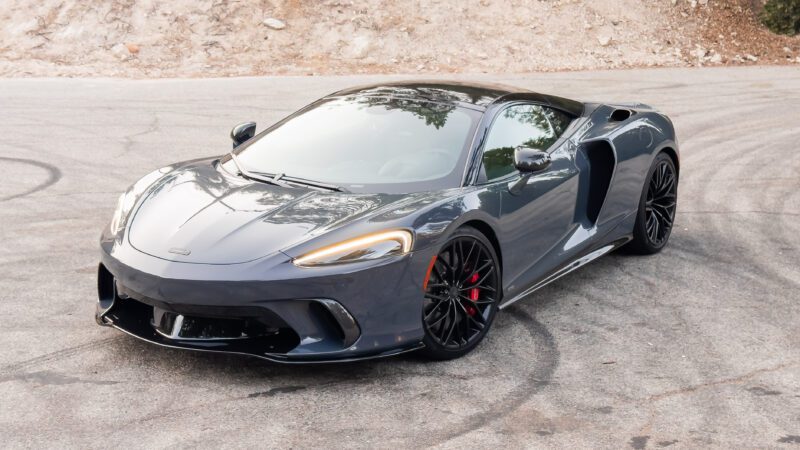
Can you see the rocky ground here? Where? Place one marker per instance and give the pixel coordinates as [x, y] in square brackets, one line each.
[206, 38]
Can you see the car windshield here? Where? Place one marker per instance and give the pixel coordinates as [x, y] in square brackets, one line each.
[368, 144]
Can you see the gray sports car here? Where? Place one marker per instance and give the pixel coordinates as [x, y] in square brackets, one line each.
[384, 219]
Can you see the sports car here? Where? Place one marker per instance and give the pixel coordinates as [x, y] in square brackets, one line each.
[384, 219]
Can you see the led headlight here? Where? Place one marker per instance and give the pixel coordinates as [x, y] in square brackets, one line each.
[128, 199]
[364, 248]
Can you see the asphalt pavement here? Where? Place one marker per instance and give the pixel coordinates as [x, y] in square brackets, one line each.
[698, 346]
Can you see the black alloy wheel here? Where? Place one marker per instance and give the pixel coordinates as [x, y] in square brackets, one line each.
[657, 208]
[461, 296]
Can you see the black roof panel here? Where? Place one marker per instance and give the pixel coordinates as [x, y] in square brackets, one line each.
[456, 92]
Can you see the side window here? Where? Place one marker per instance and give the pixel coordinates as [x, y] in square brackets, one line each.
[521, 125]
[558, 119]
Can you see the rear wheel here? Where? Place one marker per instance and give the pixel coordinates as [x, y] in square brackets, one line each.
[461, 296]
[656, 208]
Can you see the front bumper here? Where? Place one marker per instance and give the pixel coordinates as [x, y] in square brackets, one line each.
[290, 314]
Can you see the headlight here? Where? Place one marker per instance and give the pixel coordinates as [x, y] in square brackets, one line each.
[364, 248]
[128, 199]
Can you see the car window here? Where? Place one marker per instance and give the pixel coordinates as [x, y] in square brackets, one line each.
[559, 120]
[369, 144]
[532, 126]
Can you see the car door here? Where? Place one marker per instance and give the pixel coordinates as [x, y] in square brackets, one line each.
[536, 218]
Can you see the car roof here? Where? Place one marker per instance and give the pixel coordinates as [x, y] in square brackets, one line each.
[476, 95]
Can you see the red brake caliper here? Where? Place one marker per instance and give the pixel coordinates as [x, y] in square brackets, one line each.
[473, 294]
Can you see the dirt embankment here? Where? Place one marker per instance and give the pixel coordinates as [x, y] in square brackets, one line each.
[190, 38]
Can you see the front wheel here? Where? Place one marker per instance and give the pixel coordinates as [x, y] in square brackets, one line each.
[657, 205]
[461, 296]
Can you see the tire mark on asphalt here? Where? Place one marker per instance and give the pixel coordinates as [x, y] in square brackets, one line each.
[49, 378]
[545, 365]
[713, 160]
[56, 356]
[53, 175]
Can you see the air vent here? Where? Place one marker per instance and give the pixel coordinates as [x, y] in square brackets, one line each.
[620, 115]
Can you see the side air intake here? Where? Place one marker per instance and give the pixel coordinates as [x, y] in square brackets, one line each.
[596, 161]
[620, 115]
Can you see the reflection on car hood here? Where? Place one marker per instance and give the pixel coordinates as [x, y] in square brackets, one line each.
[196, 214]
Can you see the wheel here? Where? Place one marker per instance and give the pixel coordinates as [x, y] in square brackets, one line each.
[656, 208]
[461, 296]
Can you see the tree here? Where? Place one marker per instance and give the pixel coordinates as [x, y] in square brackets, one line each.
[782, 16]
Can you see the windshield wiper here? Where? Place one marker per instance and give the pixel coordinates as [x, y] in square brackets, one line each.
[256, 176]
[311, 183]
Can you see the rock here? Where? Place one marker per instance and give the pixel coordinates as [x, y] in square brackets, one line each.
[716, 58]
[275, 24]
[787, 50]
[750, 57]
[604, 40]
[702, 2]
[699, 52]
[120, 51]
[360, 47]
[132, 48]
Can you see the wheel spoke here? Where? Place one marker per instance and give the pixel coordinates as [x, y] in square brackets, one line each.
[432, 324]
[481, 280]
[461, 261]
[472, 319]
[434, 309]
[651, 224]
[435, 297]
[471, 249]
[483, 302]
[665, 204]
[439, 272]
[478, 270]
[665, 212]
[656, 228]
[451, 328]
[453, 264]
[667, 185]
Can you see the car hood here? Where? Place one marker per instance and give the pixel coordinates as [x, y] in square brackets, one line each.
[198, 214]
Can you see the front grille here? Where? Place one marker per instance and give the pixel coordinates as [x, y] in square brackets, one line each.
[252, 335]
[179, 326]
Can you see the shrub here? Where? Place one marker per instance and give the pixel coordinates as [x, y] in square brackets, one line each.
[782, 16]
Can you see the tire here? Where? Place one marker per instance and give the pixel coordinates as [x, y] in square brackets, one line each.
[461, 296]
[656, 214]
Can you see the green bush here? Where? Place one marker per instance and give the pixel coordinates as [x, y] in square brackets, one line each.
[782, 16]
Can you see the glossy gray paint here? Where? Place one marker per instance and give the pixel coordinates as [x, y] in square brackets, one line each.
[242, 235]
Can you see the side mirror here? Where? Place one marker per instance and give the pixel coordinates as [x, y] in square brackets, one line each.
[528, 160]
[242, 132]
